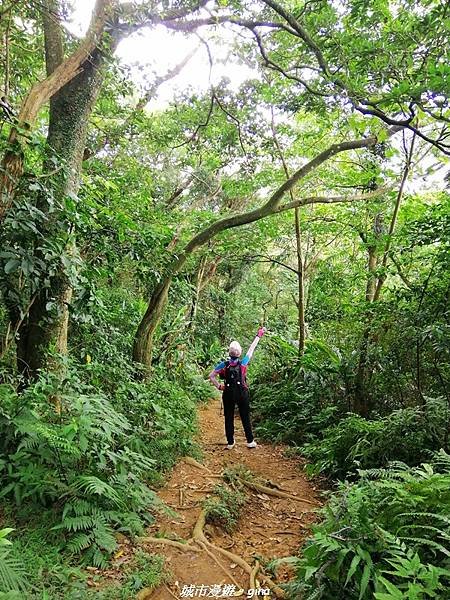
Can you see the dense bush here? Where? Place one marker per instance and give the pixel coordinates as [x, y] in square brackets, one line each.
[406, 435]
[386, 536]
[12, 577]
[225, 507]
[294, 398]
[305, 401]
[86, 462]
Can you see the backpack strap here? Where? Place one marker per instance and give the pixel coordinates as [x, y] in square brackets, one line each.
[242, 382]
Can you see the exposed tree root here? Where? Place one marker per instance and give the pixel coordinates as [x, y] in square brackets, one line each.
[154, 540]
[271, 492]
[170, 591]
[233, 557]
[279, 593]
[194, 463]
[199, 537]
[253, 584]
[145, 593]
[186, 506]
[225, 570]
[200, 543]
[275, 485]
[197, 532]
[260, 532]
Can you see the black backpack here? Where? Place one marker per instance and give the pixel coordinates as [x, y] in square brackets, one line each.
[233, 375]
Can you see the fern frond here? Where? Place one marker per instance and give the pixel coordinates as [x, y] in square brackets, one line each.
[104, 537]
[79, 542]
[76, 523]
[105, 419]
[426, 542]
[427, 515]
[96, 487]
[55, 441]
[96, 557]
[418, 526]
[12, 575]
[441, 460]
[78, 506]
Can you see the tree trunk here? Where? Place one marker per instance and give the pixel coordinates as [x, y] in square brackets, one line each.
[143, 340]
[70, 110]
[195, 300]
[361, 400]
[373, 290]
[301, 286]
[13, 161]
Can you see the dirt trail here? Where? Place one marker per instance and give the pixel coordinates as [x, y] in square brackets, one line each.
[269, 527]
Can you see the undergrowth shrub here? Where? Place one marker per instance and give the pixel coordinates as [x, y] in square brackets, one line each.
[163, 418]
[294, 398]
[12, 576]
[224, 508]
[145, 571]
[406, 435]
[386, 536]
[88, 464]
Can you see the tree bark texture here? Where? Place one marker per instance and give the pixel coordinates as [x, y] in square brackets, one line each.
[301, 285]
[70, 110]
[61, 73]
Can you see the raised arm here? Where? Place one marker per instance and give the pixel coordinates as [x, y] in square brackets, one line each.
[248, 356]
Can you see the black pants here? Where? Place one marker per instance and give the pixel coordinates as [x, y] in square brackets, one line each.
[230, 399]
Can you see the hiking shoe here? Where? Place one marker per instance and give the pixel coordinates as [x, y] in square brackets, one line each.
[252, 444]
[231, 446]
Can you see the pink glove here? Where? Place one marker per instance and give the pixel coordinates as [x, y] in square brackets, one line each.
[261, 332]
[221, 387]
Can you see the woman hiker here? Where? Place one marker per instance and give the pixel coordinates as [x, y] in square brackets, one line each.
[235, 389]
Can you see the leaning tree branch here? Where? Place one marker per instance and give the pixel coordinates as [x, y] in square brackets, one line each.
[405, 174]
[273, 204]
[268, 62]
[140, 14]
[13, 161]
[43, 90]
[199, 126]
[143, 341]
[262, 258]
[330, 199]
[233, 118]
[407, 124]
[302, 33]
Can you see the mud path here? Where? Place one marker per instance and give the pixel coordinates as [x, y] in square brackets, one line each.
[269, 527]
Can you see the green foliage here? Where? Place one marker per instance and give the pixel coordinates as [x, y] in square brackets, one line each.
[224, 508]
[154, 178]
[385, 536]
[406, 435]
[50, 575]
[145, 570]
[12, 575]
[89, 462]
[295, 399]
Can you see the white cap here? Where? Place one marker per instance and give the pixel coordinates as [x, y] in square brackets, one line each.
[235, 349]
